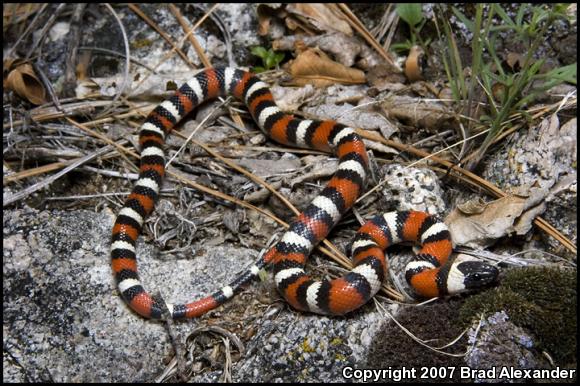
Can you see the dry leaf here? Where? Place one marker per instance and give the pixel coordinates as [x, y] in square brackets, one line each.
[475, 206]
[514, 60]
[18, 12]
[344, 49]
[314, 67]
[296, 24]
[418, 112]
[414, 64]
[290, 99]
[499, 92]
[324, 17]
[477, 224]
[384, 77]
[23, 81]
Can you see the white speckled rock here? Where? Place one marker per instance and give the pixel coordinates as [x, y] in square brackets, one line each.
[412, 189]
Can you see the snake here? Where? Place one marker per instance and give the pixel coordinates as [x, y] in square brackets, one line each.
[430, 272]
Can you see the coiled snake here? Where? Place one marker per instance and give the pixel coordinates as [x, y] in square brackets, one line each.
[428, 273]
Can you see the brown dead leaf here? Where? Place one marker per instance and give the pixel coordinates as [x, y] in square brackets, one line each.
[383, 77]
[418, 112]
[514, 60]
[314, 67]
[470, 207]
[17, 12]
[324, 17]
[414, 64]
[478, 224]
[297, 25]
[499, 92]
[20, 78]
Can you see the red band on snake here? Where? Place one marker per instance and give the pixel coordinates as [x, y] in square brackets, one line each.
[429, 273]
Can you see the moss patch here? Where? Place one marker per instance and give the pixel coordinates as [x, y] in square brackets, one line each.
[542, 300]
[435, 323]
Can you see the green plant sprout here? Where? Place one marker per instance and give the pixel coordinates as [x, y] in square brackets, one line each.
[270, 59]
[412, 14]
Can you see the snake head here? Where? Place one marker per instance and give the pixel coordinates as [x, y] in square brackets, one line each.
[467, 274]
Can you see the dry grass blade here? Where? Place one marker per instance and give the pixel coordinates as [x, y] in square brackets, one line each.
[388, 26]
[31, 26]
[43, 33]
[421, 341]
[104, 139]
[359, 26]
[126, 80]
[49, 112]
[277, 148]
[33, 188]
[198, 49]
[515, 260]
[35, 171]
[70, 77]
[153, 25]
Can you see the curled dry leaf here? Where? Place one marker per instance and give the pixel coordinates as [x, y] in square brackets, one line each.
[149, 89]
[314, 67]
[414, 64]
[515, 60]
[344, 49]
[470, 207]
[310, 18]
[419, 113]
[324, 17]
[20, 78]
[290, 99]
[499, 92]
[477, 224]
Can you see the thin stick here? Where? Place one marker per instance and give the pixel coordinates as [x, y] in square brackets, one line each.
[126, 81]
[153, 25]
[115, 53]
[190, 36]
[31, 26]
[33, 188]
[360, 27]
[43, 33]
[35, 171]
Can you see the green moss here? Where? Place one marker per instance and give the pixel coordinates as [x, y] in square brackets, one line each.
[340, 357]
[543, 300]
[436, 323]
[306, 347]
[142, 43]
[336, 341]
